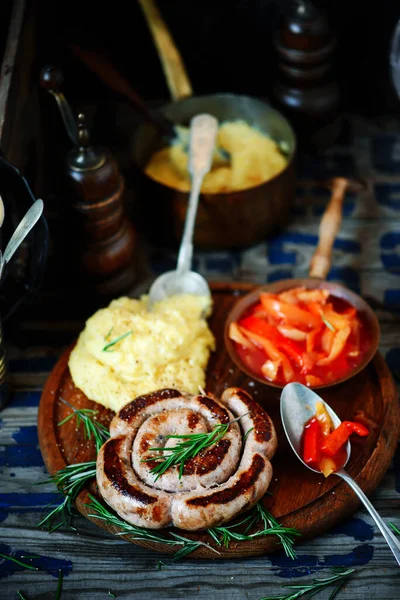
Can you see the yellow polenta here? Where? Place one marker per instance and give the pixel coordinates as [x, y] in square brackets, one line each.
[254, 159]
[126, 351]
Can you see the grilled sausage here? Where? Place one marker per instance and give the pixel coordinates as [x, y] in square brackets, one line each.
[206, 508]
[215, 485]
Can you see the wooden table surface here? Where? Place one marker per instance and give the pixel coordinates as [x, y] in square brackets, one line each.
[95, 564]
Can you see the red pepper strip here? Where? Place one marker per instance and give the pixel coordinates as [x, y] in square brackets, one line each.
[265, 330]
[312, 339]
[289, 313]
[338, 344]
[313, 380]
[335, 440]
[357, 428]
[312, 442]
[261, 327]
[291, 349]
[271, 351]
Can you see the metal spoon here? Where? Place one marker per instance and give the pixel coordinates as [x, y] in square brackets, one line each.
[1, 211]
[203, 132]
[298, 405]
[24, 227]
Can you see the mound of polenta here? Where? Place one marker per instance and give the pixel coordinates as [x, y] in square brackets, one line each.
[126, 351]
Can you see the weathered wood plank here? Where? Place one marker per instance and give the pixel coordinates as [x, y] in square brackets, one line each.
[101, 563]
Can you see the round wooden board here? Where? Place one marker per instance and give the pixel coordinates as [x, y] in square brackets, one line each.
[299, 498]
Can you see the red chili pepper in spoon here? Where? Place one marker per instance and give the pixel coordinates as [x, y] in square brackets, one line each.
[312, 443]
[335, 440]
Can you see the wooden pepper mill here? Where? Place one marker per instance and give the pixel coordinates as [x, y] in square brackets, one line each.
[95, 190]
[306, 90]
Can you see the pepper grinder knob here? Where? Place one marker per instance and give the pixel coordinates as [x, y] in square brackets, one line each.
[52, 79]
[83, 133]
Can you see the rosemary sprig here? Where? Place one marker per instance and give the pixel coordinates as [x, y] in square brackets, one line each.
[394, 528]
[192, 445]
[59, 585]
[141, 533]
[308, 590]
[107, 336]
[92, 428]
[18, 562]
[118, 339]
[327, 323]
[69, 482]
[246, 435]
[224, 535]
[58, 590]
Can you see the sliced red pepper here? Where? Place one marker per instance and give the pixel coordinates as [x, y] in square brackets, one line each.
[312, 380]
[292, 350]
[290, 313]
[269, 332]
[312, 339]
[357, 428]
[271, 351]
[335, 440]
[338, 345]
[260, 327]
[312, 442]
[258, 311]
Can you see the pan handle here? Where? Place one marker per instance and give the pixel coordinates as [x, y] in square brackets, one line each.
[171, 61]
[328, 229]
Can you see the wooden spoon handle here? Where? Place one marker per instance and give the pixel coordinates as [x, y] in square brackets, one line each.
[172, 63]
[105, 70]
[328, 229]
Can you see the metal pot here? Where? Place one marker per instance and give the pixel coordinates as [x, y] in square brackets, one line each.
[226, 219]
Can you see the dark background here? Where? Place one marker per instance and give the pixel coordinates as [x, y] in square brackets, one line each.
[226, 46]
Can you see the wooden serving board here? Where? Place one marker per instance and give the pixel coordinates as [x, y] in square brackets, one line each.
[300, 498]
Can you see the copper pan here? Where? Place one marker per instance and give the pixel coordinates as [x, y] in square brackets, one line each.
[224, 220]
[319, 268]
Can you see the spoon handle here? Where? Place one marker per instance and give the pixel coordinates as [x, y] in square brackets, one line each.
[203, 133]
[389, 536]
[331, 221]
[24, 227]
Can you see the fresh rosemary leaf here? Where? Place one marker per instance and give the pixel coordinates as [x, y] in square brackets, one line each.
[161, 564]
[118, 339]
[141, 533]
[59, 585]
[69, 482]
[191, 446]
[337, 590]
[188, 546]
[107, 337]
[327, 323]
[21, 596]
[246, 435]
[224, 535]
[339, 576]
[395, 528]
[93, 429]
[18, 562]
[111, 594]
